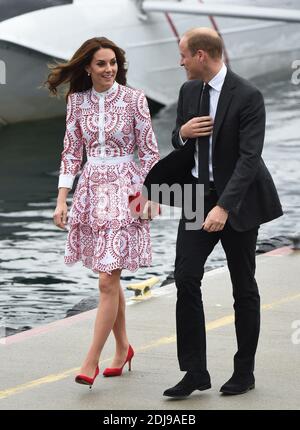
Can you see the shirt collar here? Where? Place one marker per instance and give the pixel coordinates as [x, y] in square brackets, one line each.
[218, 80]
[110, 90]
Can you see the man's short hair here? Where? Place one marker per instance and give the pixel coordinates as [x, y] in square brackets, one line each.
[210, 43]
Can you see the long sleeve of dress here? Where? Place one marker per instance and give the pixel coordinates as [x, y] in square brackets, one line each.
[144, 135]
[71, 156]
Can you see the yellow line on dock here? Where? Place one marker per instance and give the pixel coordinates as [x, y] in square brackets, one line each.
[32, 384]
[280, 302]
[221, 322]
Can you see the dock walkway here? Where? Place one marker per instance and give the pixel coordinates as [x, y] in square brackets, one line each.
[38, 366]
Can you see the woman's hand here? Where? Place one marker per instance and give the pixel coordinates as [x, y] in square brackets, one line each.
[60, 215]
[151, 210]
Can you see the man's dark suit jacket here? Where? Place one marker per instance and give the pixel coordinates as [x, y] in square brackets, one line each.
[243, 183]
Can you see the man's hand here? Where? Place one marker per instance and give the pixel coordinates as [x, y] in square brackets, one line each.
[215, 220]
[197, 127]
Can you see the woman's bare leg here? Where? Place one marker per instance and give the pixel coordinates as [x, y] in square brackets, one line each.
[120, 333]
[108, 307]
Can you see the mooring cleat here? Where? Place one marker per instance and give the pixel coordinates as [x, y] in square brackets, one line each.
[142, 290]
[296, 241]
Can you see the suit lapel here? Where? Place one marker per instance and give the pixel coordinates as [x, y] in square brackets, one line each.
[223, 104]
[191, 110]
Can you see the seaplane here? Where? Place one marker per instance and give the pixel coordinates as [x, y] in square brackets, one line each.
[259, 37]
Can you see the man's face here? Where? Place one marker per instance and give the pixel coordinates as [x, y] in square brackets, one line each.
[190, 62]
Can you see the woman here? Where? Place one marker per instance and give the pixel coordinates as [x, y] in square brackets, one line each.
[110, 121]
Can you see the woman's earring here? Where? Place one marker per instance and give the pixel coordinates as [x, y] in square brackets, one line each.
[89, 74]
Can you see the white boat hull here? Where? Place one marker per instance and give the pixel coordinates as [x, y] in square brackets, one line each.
[28, 43]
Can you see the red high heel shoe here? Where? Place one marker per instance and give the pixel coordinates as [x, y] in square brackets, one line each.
[86, 380]
[110, 371]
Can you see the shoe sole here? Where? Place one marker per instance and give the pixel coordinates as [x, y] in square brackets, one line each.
[232, 393]
[205, 387]
[202, 388]
[82, 381]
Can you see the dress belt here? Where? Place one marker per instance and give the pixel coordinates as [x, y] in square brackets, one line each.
[110, 160]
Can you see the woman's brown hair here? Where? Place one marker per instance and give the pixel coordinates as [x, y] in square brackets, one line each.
[73, 71]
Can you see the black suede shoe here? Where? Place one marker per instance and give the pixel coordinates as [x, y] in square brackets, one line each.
[238, 384]
[189, 383]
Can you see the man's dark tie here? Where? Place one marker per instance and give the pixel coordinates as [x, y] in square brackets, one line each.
[203, 143]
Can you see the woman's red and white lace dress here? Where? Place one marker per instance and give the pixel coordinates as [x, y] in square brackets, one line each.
[102, 233]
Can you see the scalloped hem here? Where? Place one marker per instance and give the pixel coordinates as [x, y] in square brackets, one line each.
[107, 268]
[108, 225]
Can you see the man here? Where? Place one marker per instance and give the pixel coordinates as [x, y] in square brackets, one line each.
[224, 140]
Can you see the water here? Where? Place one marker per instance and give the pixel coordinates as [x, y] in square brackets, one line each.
[36, 286]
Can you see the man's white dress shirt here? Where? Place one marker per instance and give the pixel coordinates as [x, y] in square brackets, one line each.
[216, 84]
